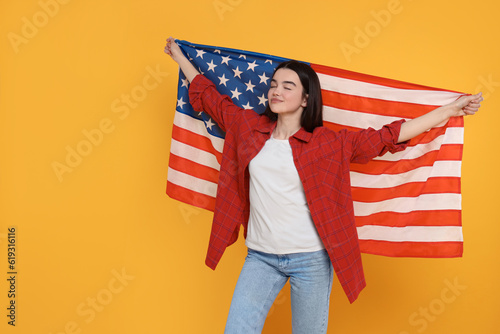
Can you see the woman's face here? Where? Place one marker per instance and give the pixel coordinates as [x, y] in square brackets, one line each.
[285, 94]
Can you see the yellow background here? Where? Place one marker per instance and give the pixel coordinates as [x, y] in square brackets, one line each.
[102, 249]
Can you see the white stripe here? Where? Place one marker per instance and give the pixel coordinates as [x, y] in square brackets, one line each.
[451, 136]
[356, 119]
[442, 168]
[197, 126]
[424, 202]
[193, 183]
[359, 88]
[411, 233]
[454, 135]
[194, 154]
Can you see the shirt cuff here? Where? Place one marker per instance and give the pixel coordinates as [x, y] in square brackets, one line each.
[390, 137]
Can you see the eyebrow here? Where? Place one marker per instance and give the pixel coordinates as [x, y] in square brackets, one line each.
[285, 82]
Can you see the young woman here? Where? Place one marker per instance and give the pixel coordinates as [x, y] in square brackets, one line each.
[285, 178]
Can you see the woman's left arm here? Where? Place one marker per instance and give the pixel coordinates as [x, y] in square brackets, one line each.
[465, 105]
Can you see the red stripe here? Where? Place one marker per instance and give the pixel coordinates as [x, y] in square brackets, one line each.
[434, 185]
[192, 168]
[195, 140]
[412, 249]
[337, 72]
[377, 167]
[414, 218]
[374, 106]
[456, 122]
[337, 127]
[428, 136]
[190, 197]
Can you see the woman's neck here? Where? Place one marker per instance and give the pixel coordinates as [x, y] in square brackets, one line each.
[286, 127]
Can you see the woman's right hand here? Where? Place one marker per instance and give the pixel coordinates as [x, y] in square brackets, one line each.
[173, 50]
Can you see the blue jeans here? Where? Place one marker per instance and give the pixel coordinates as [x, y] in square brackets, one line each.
[264, 275]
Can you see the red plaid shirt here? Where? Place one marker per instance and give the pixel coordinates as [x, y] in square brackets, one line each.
[322, 160]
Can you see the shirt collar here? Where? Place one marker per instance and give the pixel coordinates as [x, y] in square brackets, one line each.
[303, 135]
[265, 125]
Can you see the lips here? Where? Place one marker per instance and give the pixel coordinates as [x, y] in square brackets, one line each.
[275, 100]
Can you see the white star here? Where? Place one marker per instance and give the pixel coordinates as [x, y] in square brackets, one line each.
[209, 124]
[250, 86]
[236, 94]
[225, 60]
[248, 106]
[251, 66]
[223, 80]
[185, 83]
[243, 56]
[269, 61]
[262, 100]
[181, 103]
[200, 53]
[237, 72]
[211, 66]
[263, 78]
[217, 51]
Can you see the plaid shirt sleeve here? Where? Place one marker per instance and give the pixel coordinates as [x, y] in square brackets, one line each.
[203, 96]
[367, 144]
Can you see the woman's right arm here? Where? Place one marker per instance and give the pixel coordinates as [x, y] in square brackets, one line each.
[174, 51]
[203, 94]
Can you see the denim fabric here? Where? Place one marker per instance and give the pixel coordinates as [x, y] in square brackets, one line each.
[264, 275]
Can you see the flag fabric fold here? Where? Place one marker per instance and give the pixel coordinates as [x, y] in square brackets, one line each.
[406, 204]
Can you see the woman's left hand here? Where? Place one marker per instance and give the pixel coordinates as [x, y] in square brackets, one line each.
[466, 105]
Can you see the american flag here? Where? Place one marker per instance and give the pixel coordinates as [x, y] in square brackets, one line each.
[406, 204]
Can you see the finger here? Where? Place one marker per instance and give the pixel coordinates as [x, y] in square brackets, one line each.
[470, 111]
[473, 105]
[478, 97]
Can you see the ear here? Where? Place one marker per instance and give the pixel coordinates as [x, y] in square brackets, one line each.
[304, 101]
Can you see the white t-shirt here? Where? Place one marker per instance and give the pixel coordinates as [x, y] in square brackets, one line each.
[280, 221]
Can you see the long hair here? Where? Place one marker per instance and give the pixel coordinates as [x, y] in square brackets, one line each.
[312, 115]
